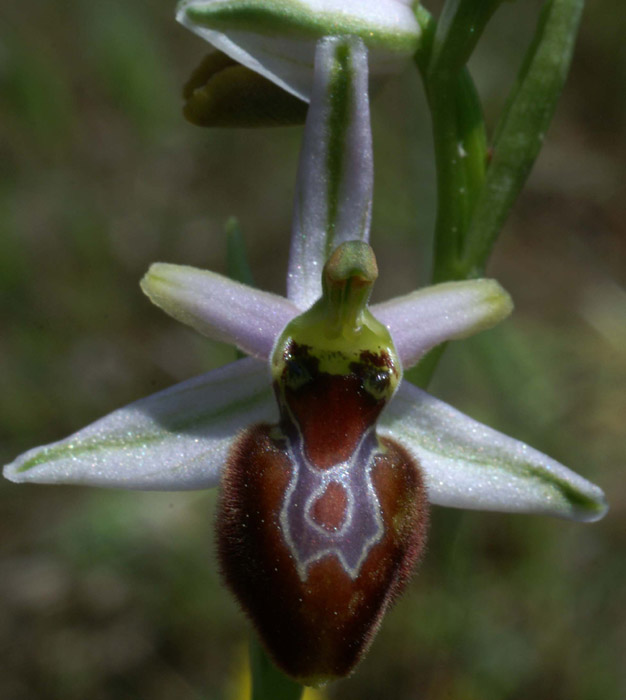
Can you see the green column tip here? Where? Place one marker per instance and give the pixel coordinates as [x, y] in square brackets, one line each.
[347, 282]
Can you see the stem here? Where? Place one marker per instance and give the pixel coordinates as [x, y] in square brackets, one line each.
[460, 154]
[458, 30]
[472, 202]
[459, 136]
[458, 128]
[268, 683]
[451, 188]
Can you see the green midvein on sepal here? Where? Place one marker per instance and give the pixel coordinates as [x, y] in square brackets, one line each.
[123, 440]
[340, 97]
[297, 20]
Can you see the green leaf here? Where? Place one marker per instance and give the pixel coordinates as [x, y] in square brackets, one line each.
[458, 30]
[520, 132]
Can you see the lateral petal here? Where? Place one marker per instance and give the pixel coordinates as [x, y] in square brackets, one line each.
[219, 307]
[174, 440]
[469, 465]
[421, 320]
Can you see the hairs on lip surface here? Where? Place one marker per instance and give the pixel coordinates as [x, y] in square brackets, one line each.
[317, 629]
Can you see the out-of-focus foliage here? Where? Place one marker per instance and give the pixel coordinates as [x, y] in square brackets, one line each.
[113, 595]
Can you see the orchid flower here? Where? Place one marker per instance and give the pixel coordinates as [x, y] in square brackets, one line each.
[276, 38]
[325, 484]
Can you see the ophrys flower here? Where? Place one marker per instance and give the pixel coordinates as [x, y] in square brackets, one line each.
[323, 509]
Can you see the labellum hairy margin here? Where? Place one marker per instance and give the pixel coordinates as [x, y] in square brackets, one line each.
[321, 522]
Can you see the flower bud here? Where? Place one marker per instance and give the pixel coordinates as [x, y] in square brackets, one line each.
[321, 522]
[222, 93]
[277, 38]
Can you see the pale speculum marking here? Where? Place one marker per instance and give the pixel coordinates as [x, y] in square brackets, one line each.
[361, 525]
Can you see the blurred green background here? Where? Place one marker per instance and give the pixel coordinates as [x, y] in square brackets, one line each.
[115, 595]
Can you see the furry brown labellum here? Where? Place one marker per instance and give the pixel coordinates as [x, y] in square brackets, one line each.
[321, 521]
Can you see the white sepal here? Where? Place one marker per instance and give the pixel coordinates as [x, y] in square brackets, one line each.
[277, 38]
[175, 440]
[469, 465]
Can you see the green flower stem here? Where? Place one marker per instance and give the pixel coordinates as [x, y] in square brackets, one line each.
[460, 152]
[474, 138]
[521, 129]
[268, 683]
[474, 200]
[459, 28]
[460, 144]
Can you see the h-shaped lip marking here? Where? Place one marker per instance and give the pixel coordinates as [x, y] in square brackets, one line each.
[343, 473]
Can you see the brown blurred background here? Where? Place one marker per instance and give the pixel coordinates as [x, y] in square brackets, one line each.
[114, 595]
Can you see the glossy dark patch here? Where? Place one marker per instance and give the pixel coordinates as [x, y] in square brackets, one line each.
[331, 411]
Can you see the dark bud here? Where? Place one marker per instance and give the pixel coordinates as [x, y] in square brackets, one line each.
[223, 93]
